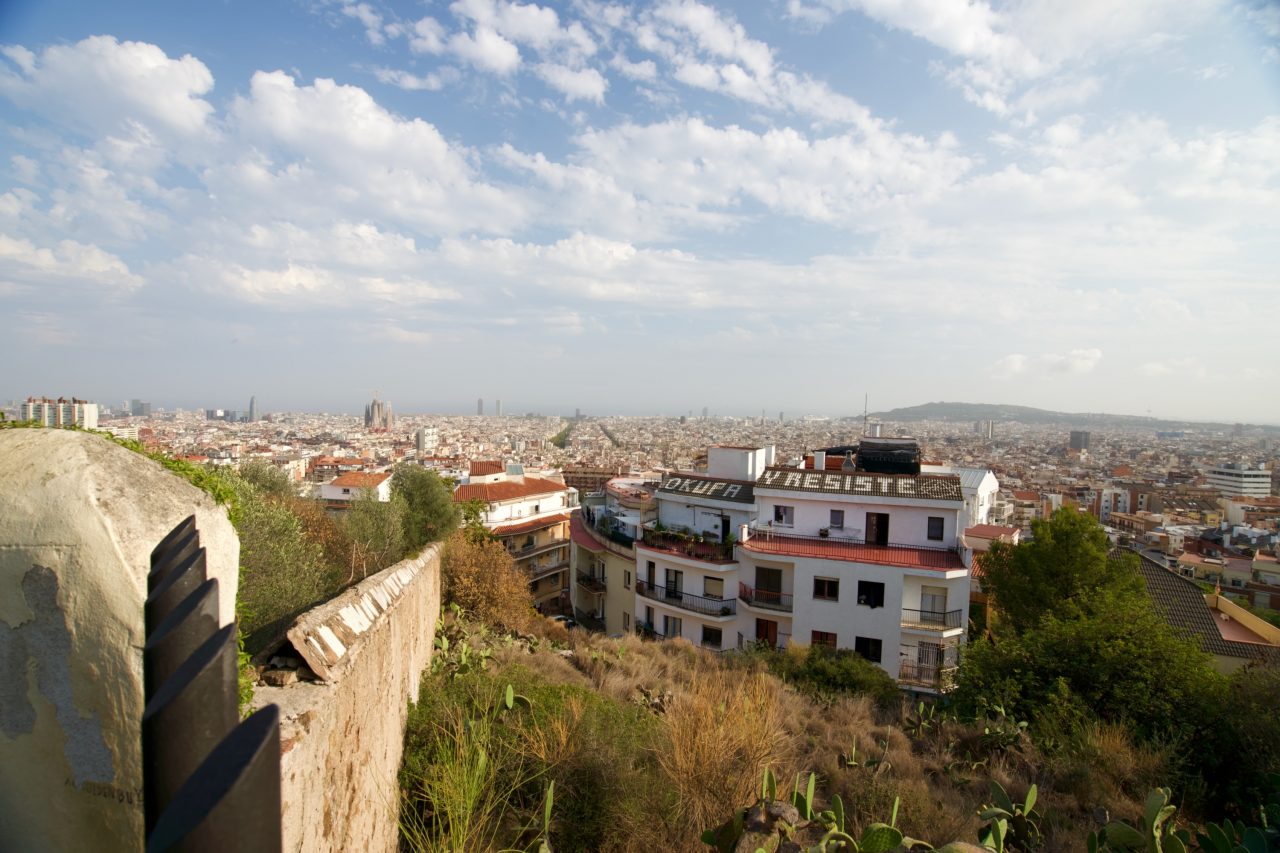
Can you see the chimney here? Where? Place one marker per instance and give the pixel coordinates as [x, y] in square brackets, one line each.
[819, 460]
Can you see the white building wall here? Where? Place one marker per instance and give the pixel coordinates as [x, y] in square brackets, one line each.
[908, 525]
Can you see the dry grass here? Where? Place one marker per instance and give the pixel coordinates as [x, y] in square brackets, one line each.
[718, 736]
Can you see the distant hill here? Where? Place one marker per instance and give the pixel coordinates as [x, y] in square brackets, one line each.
[1029, 415]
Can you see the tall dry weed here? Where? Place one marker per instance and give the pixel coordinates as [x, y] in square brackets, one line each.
[719, 735]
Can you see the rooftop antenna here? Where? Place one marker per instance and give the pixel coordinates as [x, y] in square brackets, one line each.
[865, 399]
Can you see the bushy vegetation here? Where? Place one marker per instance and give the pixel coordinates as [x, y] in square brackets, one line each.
[1087, 724]
[479, 576]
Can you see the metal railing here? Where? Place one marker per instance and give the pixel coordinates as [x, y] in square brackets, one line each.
[767, 539]
[548, 568]
[765, 598]
[686, 546]
[694, 603]
[589, 620]
[779, 643]
[592, 583]
[537, 548]
[210, 782]
[937, 676]
[932, 619]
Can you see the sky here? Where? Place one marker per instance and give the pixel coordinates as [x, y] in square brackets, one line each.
[645, 208]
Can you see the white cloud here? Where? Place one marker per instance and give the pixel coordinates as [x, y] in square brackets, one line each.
[67, 263]
[644, 70]
[431, 82]
[372, 21]
[1078, 361]
[101, 85]
[1009, 366]
[585, 84]
[486, 49]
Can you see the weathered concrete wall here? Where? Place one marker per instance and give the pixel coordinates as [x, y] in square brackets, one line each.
[79, 516]
[342, 736]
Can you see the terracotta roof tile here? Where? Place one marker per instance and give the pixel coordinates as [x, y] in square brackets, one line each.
[530, 525]
[485, 467]
[360, 480]
[507, 490]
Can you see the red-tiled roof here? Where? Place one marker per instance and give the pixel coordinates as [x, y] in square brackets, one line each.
[530, 525]
[990, 531]
[360, 480]
[1026, 495]
[485, 467]
[507, 490]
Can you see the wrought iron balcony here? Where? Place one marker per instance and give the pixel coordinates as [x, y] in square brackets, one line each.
[592, 583]
[765, 598]
[940, 677]
[687, 546]
[934, 620]
[693, 603]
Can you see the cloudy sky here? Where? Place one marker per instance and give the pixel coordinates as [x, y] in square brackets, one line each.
[644, 208]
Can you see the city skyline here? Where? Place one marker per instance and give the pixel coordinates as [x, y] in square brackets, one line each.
[669, 206]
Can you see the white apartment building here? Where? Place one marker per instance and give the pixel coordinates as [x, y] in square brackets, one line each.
[1236, 479]
[530, 516]
[61, 412]
[604, 555]
[344, 488]
[686, 565]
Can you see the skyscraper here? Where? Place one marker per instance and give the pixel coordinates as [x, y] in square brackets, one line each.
[140, 408]
[497, 408]
[420, 440]
[479, 406]
[1079, 439]
[253, 410]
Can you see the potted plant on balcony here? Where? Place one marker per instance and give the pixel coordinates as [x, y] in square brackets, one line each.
[824, 532]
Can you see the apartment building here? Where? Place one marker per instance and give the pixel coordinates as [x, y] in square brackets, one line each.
[339, 492]
[1238, 479]
[531, 517]
[868, 557]
[604, 553]
[686, 565]
[61, 412]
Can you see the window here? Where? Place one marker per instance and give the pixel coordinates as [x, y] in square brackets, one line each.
[871, 593]
[935, 528]
[671, 626]
[785, 515]
[346, 491]
[823, 638]
[868, 647]
[711, 637]
[713, 587]
[826, 589]
[626, 580]
[626, 621]
[837, 519]
[537, 508]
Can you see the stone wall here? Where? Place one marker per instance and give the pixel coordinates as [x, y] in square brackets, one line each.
[342, 734]
[79, 516]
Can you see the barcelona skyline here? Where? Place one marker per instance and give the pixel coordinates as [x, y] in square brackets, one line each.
[639, 208]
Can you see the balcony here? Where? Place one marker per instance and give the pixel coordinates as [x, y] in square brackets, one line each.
[932, 620]
[686, 546]
[692, 603]
[764, 598]
[589, 621]
[764, 540]
[536, 572]
[536, 548]
[779, 643]
[940, 677]
[592, 583]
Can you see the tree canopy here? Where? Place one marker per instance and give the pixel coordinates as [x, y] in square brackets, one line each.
[1062, 571]
[430, 513]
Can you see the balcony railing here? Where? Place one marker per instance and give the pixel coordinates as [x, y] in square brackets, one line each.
[770, 541]
[936, 620]
[541, 571]
[694, 603]
[764, 598]
[589, 620]
[591, 583]
[779, 643]
[941, 677]
[536, 548]
[686, 546]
